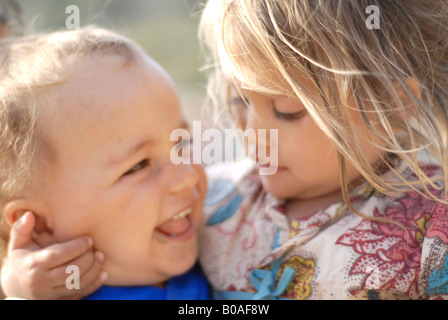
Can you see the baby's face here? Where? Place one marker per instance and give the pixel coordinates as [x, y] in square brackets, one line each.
[113, 178]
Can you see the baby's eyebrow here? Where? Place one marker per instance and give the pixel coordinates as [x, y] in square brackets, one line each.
[131, 149]
[135, 147]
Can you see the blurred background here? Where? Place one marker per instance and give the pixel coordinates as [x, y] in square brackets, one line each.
[166, 29]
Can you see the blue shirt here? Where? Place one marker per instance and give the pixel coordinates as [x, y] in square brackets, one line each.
[189, 286]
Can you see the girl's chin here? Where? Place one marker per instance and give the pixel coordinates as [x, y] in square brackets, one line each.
[278, 190]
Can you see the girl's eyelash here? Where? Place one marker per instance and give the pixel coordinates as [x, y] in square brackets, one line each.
[288, 116]
[139, 166]
[239, 101]
[279, 115]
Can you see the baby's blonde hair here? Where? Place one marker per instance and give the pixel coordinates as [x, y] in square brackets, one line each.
[31, 68]
[395, 73]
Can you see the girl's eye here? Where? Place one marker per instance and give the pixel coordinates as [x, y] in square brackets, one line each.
[139, 166]
[288, 116]
[240, 101]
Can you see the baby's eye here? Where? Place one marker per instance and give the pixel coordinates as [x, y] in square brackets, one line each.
[139, 166]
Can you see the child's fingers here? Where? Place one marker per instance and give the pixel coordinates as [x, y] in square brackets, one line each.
[76, 294]
[88, 282]
[97, 283]
[83, 265]
[43, 239]
[61, 253]
[21, 232]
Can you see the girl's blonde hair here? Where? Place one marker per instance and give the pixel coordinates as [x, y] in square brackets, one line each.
[395, 73]
[30, 69]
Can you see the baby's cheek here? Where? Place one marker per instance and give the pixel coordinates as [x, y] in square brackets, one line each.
[202, 189]
[202, 182]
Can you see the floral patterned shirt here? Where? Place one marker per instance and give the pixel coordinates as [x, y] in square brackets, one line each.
[249, 249]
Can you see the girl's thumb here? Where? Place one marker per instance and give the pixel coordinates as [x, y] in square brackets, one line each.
[21, 231]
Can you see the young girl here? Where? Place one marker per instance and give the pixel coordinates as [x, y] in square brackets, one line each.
[357, 207]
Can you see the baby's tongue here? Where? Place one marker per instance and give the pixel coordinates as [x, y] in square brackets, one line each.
[174, 226]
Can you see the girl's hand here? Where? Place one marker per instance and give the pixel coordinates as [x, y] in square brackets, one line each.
[37, 269]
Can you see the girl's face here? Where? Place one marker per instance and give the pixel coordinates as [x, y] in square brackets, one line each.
[4, 31]
[307, 160]
[113, 178]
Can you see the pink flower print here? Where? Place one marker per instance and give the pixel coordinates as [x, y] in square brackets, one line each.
[388, 255]
[438, 224]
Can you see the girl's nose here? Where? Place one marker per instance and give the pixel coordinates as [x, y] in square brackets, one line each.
[252, 121]
[260, 136]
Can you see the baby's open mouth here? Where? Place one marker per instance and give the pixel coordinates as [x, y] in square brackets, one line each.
[179, 228]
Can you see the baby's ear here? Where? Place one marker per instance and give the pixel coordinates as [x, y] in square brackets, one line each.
[15, 209]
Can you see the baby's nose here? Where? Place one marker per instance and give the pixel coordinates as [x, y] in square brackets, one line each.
[182, 177]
